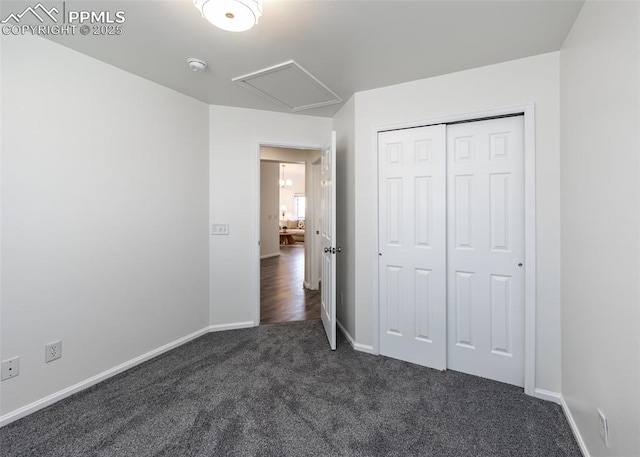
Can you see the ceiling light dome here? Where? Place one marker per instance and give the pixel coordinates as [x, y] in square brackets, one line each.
[231, 15]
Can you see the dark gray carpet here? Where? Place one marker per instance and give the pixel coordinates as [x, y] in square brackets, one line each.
[277, 390]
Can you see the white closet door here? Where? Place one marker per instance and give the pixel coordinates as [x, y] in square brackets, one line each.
[485, 205]
[412, 245]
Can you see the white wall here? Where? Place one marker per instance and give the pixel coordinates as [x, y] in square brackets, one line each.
[530, 80]
[600, 98]
[104, 216]
[344, 125]
[269, 209]
[234, 137]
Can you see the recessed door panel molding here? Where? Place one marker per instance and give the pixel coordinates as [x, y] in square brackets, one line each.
[463, 305]
[326, 160]
[500, 319]
[499, 191]
[423, 187]
[326, 222]
[394, 154]
[463, 149]
[394, 213]
[326, 284]
[394, 300]
[463, 210]
[499, 145]
[422, 303]
[423, 149]
[412, 245]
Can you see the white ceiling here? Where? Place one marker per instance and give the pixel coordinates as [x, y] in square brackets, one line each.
[348, 45]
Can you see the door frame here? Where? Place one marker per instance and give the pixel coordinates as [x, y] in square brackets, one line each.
[528, 110]
[255, 273]
[314, 227]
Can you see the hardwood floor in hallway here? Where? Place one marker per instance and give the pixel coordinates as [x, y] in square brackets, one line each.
[283, 297]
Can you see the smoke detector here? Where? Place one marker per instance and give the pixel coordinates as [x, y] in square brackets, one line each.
[196, 64]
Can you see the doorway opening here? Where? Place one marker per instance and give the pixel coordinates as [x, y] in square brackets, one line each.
[288, 272]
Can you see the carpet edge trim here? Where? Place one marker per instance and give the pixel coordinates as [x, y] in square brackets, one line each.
[82, 385]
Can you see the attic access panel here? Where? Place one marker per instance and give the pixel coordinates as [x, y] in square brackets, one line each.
[290, 85]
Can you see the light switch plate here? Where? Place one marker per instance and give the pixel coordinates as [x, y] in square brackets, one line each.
[220, 229]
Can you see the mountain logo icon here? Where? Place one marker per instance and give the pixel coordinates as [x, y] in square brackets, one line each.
[39, 11]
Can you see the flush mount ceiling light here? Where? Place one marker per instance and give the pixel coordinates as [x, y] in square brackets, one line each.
[230, 15]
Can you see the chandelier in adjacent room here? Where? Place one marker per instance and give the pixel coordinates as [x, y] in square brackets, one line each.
[285, 183]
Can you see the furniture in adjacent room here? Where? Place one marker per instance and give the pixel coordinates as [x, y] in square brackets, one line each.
[286, 237]
[296, 228]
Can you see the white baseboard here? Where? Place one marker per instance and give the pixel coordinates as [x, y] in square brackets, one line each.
[558, 399]
[233, 326]
[266, 256]
[364, 348]
[64, 393]
[308, 286]
[357, 346]
[574, 427]
[548, 395]
[345, 333]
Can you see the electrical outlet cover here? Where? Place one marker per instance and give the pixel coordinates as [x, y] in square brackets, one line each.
[53, 351]
[604, 427]
[10, 368]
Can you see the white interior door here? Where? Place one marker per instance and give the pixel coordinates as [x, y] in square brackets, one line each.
[412, 245]
[328, 237]
[485, 193]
